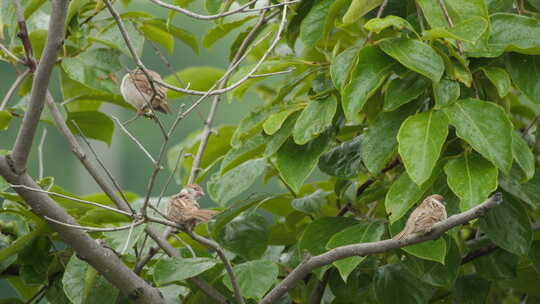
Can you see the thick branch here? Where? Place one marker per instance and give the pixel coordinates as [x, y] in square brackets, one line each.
[102, 259]
[376, 247]
[24, 140]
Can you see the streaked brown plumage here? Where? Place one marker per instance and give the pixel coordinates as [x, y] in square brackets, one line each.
[185, 210]
[136, 90]
[429, 212]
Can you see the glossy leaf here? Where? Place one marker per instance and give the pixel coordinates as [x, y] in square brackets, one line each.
[254, 278]
[511, 32]
[380, 142]
[499, 265]
[500, 79]
[236, 156]
[200, 78]
[95, 125]
[311, 28]
[469, 30]
[312, 203]
[221, 219]
[393, 283]
[403, 90]
[113, 38]
[319, 232]
[295, 163]
[224, 188]
[445, 92]
[170, 270]
[364, 232]
[492, 137]
[345, 160]
[274, 122]
[371, 70]
[527, 192]
[472, 179]
[525, 71]
[179, 33]
[314, 120]
[523, 155]
[278, 139]
[508, 226]
[159, 36]
[420, 139]
[342, 65]
[376, 25]
[5, 118]
[415, 55]
[404, 193]
[358, 9]
[246, 236]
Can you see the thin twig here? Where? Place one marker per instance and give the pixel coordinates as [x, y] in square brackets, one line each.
[40, 153]
[128, 238]
[420, 16]
[73, 199]
[95, 229]
[13, 89]
[243, 8]
[23, 35]
[179, 239]
[134, 139]
[10, 54]
[228, 267]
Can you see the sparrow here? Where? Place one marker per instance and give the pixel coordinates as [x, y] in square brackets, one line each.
[136, 89]
[184, 209]
[430, 211]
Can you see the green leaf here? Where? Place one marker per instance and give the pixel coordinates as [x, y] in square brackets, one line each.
[380, 142]
[394, 283]
[221, 30]
[470, 289]
[254, 278]
[295, 163]
[378, 24]
[492, 137]
[415, 55]
[527, 192]
[372, 69]
[212, 6]
[170, 270]
[92, 68]
[364, 232]
[523, 38]
[278, 139]
[431, 250]
[274, 122]
[403, 90]
[179, 33]
[472, 179]
[508, 226]
[445, 92]
[342, 65]
[500, 79]
[200, 78]
[358, 9]
[221, 219]
[80, 280]
[315, 119]
[253, 147]
[38, 39]
[404, 193]
[246, 236]
[318, 232]
[224, 188]
[525, 71]
[159, 36]
[5, 118]
[437, 274]
[499, 265]
[345, 160]
[113, 38]
[312, 203]
[95, 125]
[312, 27]
[523, 155]
[534, 255]
[420, 139]
[469, 30]
[118, 240]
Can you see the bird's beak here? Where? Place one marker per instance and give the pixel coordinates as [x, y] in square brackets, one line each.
[201, 193]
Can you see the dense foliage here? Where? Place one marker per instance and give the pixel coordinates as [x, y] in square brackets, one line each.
[383, 105]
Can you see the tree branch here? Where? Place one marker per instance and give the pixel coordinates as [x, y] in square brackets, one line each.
[102, 259]
[55, 38]
[364, 249]
[23, 35]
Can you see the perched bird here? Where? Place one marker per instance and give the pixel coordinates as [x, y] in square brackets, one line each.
[136, 89]
[429, 212]
[185, 210]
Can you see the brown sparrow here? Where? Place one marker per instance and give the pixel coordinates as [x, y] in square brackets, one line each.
[136, 89]
[429, 212]
[185, 210]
